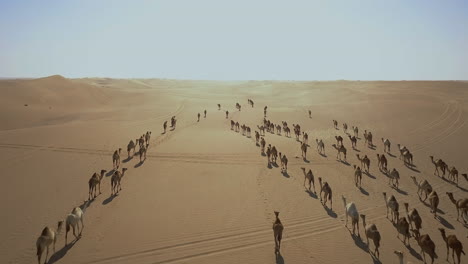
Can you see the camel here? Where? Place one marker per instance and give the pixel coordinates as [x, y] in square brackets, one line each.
[382, 160]
[232, 124]
[413, 217]
[434, 202]
[438, 164]
[423, 187]
[325, 187]
[310, 114]
[386, 144]
[262, 129]
[345, 128]
[257, 137]
[340, 149]
[72, 220]
[372, 233]
[335, 124]
[148, 136]
[453, 175]
[461, 205]
[116, 158]
[368, 138]
[142, 153]
[48, 237]
[400, 256]
[268, 153]
[274, 154]
[131, 146]
[393, 205]
[402, 150]
[393, 178]
[365, 162]
[351, 211]
[408, 158]
[465, 176]
[204, 113]
[219, 106]
[305, 138]
[262, 144]
[95, 181]
[452, 242]
[356, 131]
[277, 232]
[284, 163]
[278, 129]
[265, 111]
[403, 228]
[287, 131]
[309, 176]
[339, 140]
[426, 244]
[165, 126]
[116, 180]
[320, 146]
[353, 141]
[304, 150]
[227, 114]
[357, 176]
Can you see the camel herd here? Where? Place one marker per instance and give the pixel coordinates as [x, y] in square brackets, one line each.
[408, 226]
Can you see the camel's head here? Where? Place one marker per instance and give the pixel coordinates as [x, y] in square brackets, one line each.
[320, 180]
[406, 206]
[442, 231]
[465, 176]
[413, 178]
[384, 194]
[450, 195]
[124, 169]
[398, 253]
[363, 217]
[59, 226]
[276, 214]
[103, 171]
[120, 150]
[344, 198]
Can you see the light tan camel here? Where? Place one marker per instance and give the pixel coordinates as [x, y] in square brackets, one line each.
[438, 164]
[413, 217]
[393, 205]
[382, 161]
[386, 144]
[131, 146]
[116, 180]
[320, 146]
[372, 233]
[403, 228]
[116, 158]
[461, 205]
[72, 221]
[304, 150]
[284, 162]
[365, 162]
[94, 182]
[453, 175]
[277, 233]
[351, 211]
[340, 150]
[434, 202]
[326, 189]
[452, 242]
[426, 244]
[423, 188]
[48, 237]
[353, 141]
[393, 178]
[357, 176]
[339, 140]
[309, 176]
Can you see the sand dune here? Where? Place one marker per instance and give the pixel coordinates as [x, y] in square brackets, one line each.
[205, 193]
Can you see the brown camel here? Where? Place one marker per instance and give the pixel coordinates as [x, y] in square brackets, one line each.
[353, 141]
[408, 158]
[320, 146]
[413, 217]
[325, 187]
[262, 144]
[393, 205]
[453, 175]
[426, 244]
[365, 162]
[423, 187]
[131, 146]
[274, 154]
[304, 150]
[95, 181]
[461, 205]
[382, 162]
[403, 228]
[345, 128]
[357, 176]
[277, 233]
[309, 176]
[284, 162]
[116, 180]
[393, 178]
[434, 202]
[48, 237]
[438, 164]
[339, 140]
[452, 242]
[372, 233]
[386, 144]
[142, 153]
[356, 131]
[340, 150]
[116, 158]
[335, 124]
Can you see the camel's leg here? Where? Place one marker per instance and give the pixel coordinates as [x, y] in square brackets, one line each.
[39, 255]
[74, 231]
[47, 254]
[82, 224]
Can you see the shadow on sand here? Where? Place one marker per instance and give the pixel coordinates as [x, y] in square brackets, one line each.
[370, 175]
[323, 155]
[61, 253]
[127, 159]
[344, 162]
[139, 164]
[413, 252]
[285, 174]
[330, 212]
[391, 155]
[363, 191]
[305, 160]
[358, 241]
[109, 173]
[311, 194]
[109, 199]
[279, 258]
[445, 222]
[400, 191]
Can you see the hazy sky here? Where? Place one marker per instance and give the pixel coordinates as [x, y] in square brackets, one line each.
[237, 39]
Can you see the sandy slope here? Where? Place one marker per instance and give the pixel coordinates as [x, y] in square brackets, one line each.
[205, 194]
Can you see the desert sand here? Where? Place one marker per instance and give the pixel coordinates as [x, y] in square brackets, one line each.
[205, 194]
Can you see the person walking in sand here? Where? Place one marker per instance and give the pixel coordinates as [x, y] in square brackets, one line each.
[227, 114]
[165, 126]
[198, 117]
[205, 113]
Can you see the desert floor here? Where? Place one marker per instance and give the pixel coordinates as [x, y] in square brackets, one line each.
[205, 193]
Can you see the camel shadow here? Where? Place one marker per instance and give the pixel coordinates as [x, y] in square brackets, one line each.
[370, 175]
[263, 154]
[429, 206]
[413, 168]
[391, 155]
[127, 159]
[357, 150]
[363, 191]
[109, 199]
[109, 173]
[311, 194]
[414, 253]
[400, 191]
[461, 188]
[279, 258]
[61, 253]
[139, 164]
[87, 204]
[323, 155]
[285, 174]
[358, 242]
[330, 212]
[305, 160]
[275, 165]
[445, 222]
[344, 162]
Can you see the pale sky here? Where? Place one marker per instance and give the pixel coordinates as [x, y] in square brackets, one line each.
[236, 40]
